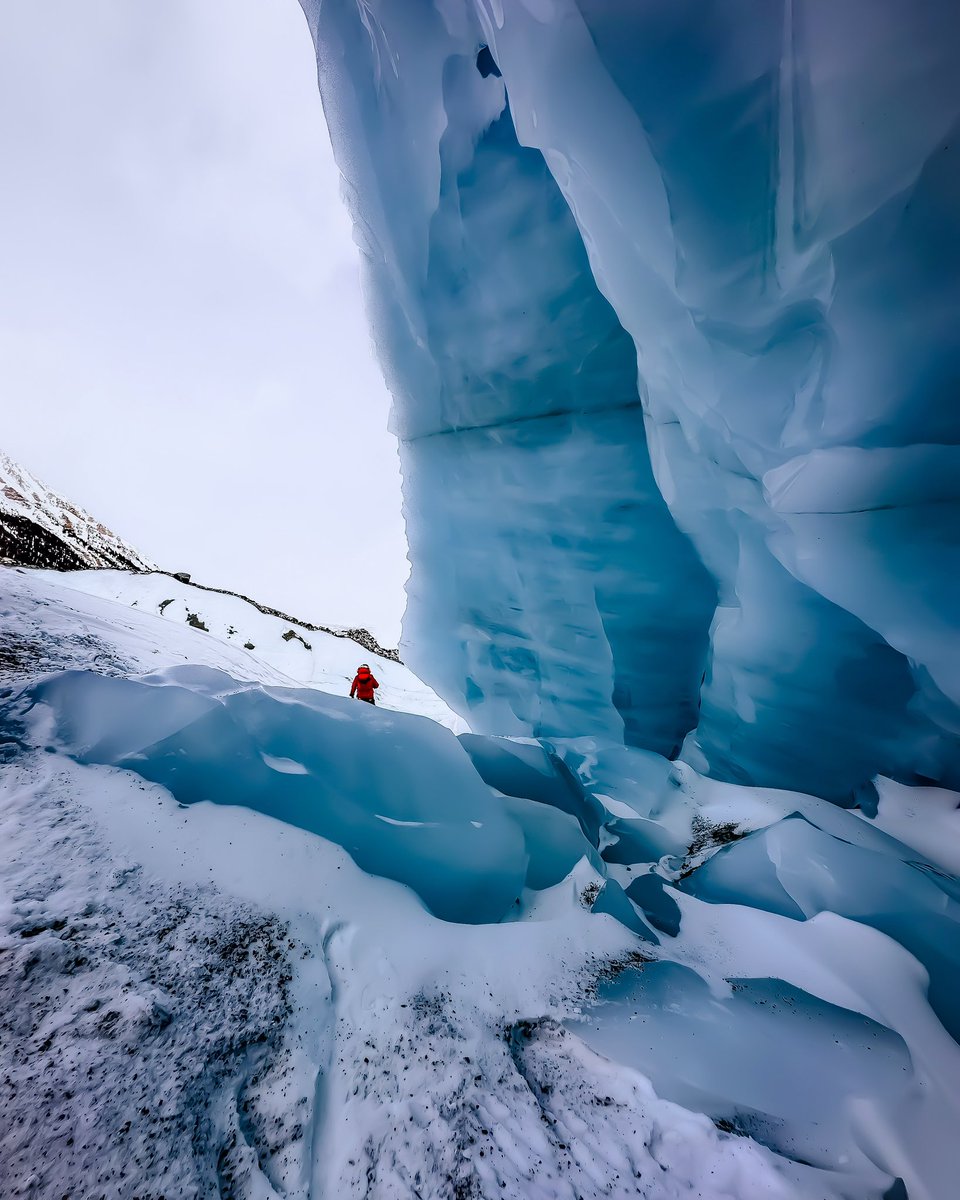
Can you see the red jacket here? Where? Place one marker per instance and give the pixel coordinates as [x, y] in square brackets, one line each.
[364, 685]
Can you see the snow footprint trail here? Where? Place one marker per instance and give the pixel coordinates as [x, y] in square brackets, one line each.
[320, 1146]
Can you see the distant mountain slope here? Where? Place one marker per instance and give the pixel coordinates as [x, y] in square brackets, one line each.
[264, 644]
[363, 637]
[38, 528]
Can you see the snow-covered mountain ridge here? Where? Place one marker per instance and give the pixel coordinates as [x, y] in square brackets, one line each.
[39, 528]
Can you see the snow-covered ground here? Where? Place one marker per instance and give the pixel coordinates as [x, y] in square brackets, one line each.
[197, 1000]
[202, 1001]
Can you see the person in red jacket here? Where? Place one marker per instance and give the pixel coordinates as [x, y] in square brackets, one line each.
[364, 685]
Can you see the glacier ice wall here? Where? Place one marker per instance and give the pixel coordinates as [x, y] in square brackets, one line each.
[666, 294]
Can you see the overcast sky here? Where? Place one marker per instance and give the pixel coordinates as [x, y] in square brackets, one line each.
[182, 345]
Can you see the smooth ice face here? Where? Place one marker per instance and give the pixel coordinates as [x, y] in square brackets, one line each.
[768, 1058]
[531, 771]
[797, 870]
[667, 302]
[396, 791]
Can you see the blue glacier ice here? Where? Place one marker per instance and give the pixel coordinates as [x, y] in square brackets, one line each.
[768, 1058]
[533, 771]
[667, 297]
[396, 791]
[651, 897]
[797, 870]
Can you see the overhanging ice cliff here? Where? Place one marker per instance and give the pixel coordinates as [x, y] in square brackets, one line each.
[667, 296]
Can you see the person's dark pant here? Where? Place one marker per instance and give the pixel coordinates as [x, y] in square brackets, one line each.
[367, 699]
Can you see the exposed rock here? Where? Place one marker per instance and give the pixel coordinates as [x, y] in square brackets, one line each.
[292, 635]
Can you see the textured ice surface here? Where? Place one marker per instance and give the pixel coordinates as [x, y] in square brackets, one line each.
[396, 791]
[773, 972]
[667, 302]
[795, 869]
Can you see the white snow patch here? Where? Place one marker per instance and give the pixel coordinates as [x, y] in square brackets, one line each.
[925, 818]
[286, 766]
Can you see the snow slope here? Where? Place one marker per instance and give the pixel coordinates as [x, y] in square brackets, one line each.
[39, 528]
[261, 651]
